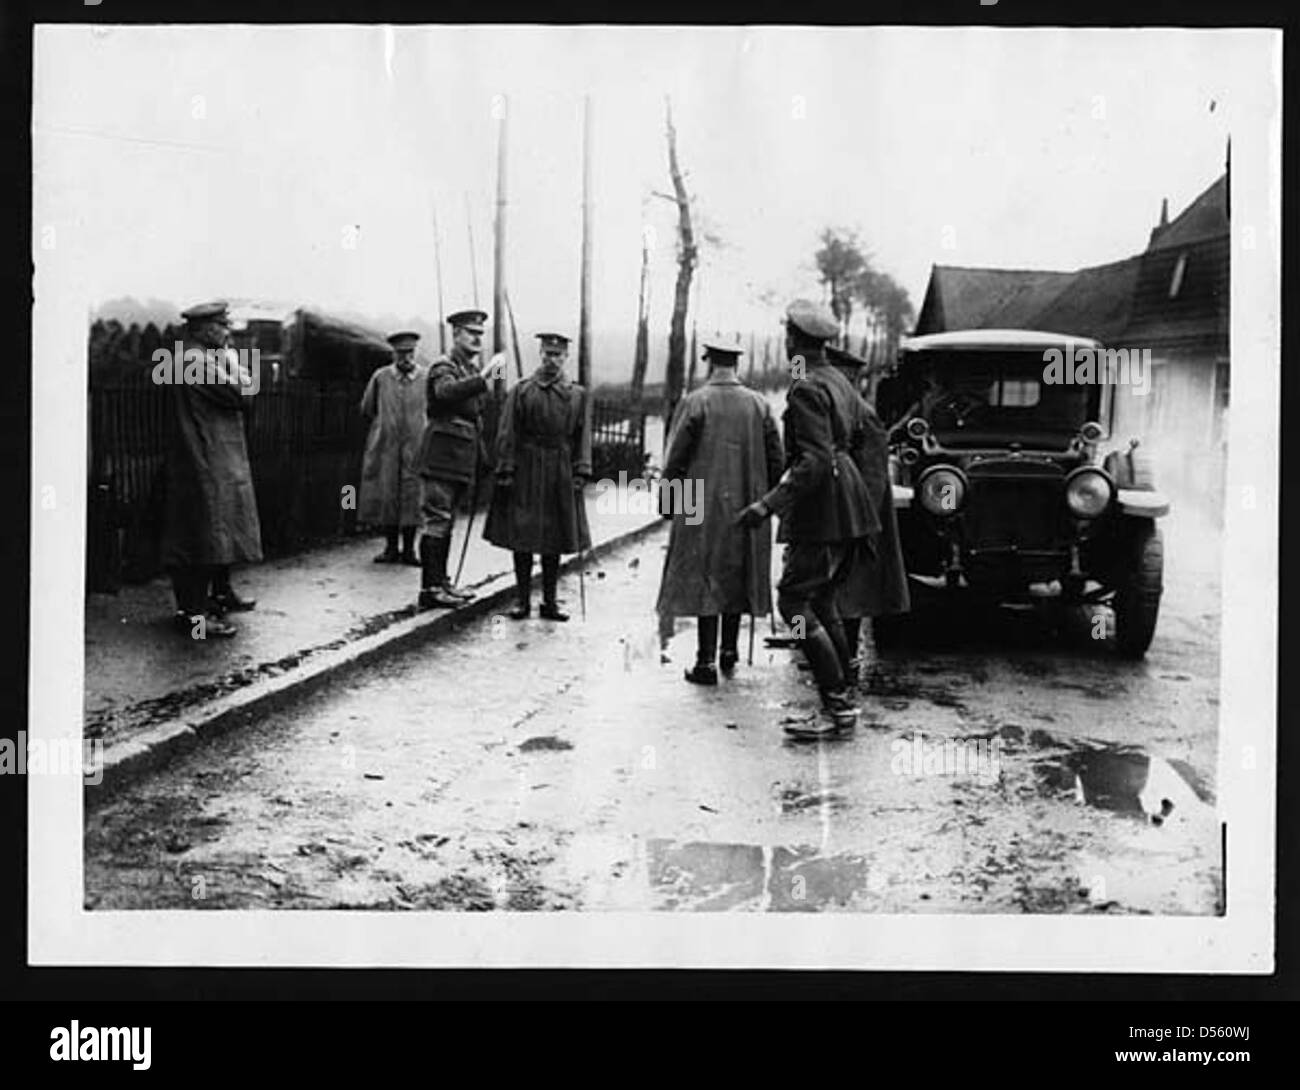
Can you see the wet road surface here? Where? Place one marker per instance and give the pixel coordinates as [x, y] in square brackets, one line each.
[1017, 766]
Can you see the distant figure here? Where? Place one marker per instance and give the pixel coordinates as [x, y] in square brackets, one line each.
[449, 450]
[877, 581]
[543, 460]
[212, 519]
[724, 453]
[825, 508]
[394, 402]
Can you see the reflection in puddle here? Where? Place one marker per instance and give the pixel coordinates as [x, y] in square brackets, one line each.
[703, 876]
[1111, 776]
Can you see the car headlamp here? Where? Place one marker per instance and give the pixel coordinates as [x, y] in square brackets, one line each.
[1088, 492]
[942, 490]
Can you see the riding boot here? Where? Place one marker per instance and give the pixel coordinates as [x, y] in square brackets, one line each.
[523, 587]
[433, 574]
[706, 650]
[550, 581]
[853, 643]
[729, 655]
[408, 547]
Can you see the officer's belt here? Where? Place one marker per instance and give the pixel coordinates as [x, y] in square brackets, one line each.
[546, 442]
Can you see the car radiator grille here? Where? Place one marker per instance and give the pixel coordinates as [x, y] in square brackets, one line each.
[1020, 514]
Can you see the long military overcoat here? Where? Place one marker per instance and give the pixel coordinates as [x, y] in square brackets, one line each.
[877, 582]
[211, 507]
[542, 443]
[724, 443]
[390, 486]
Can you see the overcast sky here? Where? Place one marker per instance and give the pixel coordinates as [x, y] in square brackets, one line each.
[303, 164]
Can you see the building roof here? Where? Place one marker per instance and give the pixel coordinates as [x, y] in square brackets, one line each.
[1205, 218]
[1174, 291]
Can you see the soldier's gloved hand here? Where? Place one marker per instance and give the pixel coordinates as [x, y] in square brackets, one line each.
[495, 368]
[753, 515]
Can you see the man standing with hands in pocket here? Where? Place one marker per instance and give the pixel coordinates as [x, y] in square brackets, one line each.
[449, 450]
[543, 459]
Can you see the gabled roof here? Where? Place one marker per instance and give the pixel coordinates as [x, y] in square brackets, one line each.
[1092, 302]
[1205, 218]
[966, 298]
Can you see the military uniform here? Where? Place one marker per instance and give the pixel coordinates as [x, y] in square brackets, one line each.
[877, 581]
[824, 506]
[212, 520]
[449, 456]
[725, 440]
[395, 404]
[543, 456]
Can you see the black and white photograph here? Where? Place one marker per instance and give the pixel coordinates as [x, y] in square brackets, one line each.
[680, 496]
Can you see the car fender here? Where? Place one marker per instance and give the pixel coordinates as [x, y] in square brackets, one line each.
[1142, 504]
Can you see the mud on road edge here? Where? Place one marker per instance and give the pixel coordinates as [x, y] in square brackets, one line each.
[133, 759]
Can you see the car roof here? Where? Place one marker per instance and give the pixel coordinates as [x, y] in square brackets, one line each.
[985, 340]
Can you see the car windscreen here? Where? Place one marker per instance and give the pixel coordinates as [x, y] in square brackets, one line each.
[970, 397]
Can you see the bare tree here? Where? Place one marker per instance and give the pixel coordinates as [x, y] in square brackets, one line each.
[642, 357]
[687, 253]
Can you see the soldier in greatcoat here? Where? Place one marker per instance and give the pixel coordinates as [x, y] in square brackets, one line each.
[724, 452]
[877, 583]
[212, 519]
[449, 450]
[394, 403]
[543, 461]
[825, 508]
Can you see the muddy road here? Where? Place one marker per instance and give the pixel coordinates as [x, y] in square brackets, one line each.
[1016, 766]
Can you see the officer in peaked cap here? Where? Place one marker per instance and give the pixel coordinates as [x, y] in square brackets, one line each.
[456, 391]
[723, 452]
[217, 309]
[543, 460]
[824, 505]
[394, 403]
[212, 519]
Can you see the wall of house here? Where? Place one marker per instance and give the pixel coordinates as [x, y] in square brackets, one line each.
[1180, 424]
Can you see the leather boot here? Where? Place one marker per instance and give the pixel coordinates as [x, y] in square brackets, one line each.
[408, 547]
[729, 655]
[551, 610]
[433, 574]
[523, 587]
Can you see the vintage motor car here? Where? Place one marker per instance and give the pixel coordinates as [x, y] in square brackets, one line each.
[1002, 491]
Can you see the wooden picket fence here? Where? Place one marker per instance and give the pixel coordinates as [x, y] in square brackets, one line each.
[305, 445]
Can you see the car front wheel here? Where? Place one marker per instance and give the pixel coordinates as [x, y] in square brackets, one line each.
[1137, 600]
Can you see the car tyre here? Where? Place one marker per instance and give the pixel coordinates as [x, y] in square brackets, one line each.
[1137, 599]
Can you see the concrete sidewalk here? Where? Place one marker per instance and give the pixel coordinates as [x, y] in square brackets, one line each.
[314, 611]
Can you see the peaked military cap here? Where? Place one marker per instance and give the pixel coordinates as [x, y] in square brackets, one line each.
[550, 340]
[203, 312]
[468, 319]
[812, 319]
[722, 347]
[405, 339]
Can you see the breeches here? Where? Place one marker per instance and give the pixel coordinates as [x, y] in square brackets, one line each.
[439, 501]
[810, 582]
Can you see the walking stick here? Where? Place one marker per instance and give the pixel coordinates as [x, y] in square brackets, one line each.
[582, 582]
[469, 527]
[751, 639]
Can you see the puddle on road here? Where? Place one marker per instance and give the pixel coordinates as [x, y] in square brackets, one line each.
[1112, 776]
[702, 876]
